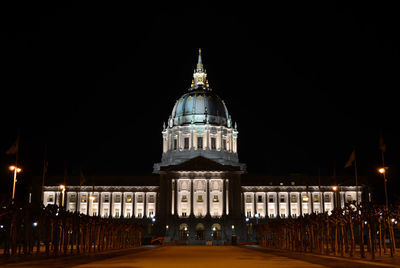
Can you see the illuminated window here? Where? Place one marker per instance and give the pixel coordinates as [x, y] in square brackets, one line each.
[199, 198]
[151, 199]
[128, 198]
[215, 199]
[140, 198]
[213, 143]
[259, 199]
[281, 183]
[305, 198]
[199, 142]
[95, 199]
[248, 198]
[83, 198]
[186, 143]
[327, 198]
[184, 198]
[316, 198]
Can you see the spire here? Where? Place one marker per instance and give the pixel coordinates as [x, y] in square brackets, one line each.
[199, 75]
[199, 62]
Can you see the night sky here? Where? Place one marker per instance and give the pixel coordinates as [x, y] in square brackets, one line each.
[305, 82]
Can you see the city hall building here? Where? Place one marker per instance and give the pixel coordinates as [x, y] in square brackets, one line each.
[200, 191]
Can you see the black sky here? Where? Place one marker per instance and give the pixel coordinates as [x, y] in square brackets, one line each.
[304, 81]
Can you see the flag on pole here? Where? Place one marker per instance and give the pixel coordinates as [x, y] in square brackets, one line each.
[352, 158]
[14, 148]
[382, 145]
[82, 178]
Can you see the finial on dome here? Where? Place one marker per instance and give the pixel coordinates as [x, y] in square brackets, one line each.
[199, 62]
[199, 75]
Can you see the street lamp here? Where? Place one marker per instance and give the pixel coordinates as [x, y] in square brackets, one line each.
[91, 200]
[62, 188]
[16, 170]
[335, 188]
[382, 170]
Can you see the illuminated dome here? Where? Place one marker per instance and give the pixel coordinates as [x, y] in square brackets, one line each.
[199, 125]
[200, 105]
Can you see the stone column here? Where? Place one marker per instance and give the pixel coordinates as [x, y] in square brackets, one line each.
[191, 197]
[278, 212]
[208, 196]
[173, 197]
[227, 196]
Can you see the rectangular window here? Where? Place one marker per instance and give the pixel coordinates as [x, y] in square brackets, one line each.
[199, 198]
[215, 199]
[186, 143]
[140, 198]
[293, 198]
[106, 198]
[72, 198]
[184, 198]
[118, 198]
[259, 199]
[151, 199]
[271, 199]
[117, 213]
[327, 198]
[128, 198]
[128, 213]
[95, 199]
[83, 198]
[213, 143]
[305, 198]
[224, 144]
[105, 212]
[282, 199]
[349, 198]
[151, 212]
[140, 214]
[50, 198]
[199, 142]
[248, 198]
[175, 144]
[316, 198]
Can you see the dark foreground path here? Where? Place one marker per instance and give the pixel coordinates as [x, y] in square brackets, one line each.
[197, 256]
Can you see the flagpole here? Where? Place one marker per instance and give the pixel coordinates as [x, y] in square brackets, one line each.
[321, 195]
[384, 180]
[355, 174]
[44, 171]
[16, 168]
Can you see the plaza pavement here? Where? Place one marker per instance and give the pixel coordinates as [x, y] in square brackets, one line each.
[197, 256]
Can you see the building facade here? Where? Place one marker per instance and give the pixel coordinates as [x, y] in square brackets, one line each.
[201, 192]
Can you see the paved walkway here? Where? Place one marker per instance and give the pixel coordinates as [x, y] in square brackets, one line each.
[195, 256]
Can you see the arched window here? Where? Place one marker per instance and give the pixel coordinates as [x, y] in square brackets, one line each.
[216, 231]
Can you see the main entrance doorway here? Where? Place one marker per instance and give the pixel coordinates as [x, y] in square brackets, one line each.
[200, 231]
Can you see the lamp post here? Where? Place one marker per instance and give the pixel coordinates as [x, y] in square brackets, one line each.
[91, 200]
[16, 170]
[383, 172]
[335, 188]
[62, 188]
